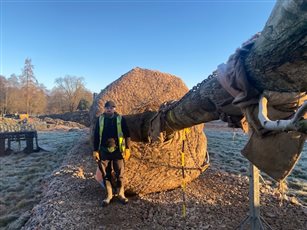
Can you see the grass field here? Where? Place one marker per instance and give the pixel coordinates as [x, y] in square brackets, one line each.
[23, 176]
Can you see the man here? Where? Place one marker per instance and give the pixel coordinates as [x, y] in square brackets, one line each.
[111, 145]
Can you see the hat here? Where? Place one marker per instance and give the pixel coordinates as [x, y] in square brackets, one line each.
[109, 104]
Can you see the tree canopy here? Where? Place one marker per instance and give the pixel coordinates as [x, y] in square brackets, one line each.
[24, 94]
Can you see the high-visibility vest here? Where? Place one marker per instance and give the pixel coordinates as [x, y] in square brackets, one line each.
[120, 135]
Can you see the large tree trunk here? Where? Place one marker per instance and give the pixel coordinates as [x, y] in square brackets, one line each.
[205, 102]
[277, 62]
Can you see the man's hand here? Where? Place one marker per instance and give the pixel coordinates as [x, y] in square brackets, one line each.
[96, 156]
[126, 154]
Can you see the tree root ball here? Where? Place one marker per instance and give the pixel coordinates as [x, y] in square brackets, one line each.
[153, 167]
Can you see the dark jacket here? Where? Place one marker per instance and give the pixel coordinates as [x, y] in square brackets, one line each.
[110, 137]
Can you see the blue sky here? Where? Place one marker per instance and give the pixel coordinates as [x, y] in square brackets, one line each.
[102, 40]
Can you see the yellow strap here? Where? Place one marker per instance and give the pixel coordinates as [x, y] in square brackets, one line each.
[119, 126]
[120, 134]
[182, 159]
[101, 125]
[184, 133]
[183, 184]
[184, 210]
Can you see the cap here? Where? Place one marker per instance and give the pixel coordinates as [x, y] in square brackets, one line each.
[109, 104]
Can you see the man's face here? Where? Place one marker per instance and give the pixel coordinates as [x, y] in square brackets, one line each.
[109, 110]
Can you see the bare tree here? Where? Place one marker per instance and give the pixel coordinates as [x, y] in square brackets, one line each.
[13, 95]
[73, 90]
[56, 101]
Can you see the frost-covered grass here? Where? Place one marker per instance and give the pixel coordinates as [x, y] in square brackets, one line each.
[23, 176]
[225, 153]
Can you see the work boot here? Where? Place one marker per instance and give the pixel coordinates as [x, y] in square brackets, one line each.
[121, 195]
[109, 194]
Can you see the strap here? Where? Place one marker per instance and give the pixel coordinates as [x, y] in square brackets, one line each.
[101, 124]
[120, 134]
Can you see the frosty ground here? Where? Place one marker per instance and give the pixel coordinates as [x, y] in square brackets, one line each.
[70, 198]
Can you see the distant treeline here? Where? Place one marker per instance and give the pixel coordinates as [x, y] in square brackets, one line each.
[24, 94]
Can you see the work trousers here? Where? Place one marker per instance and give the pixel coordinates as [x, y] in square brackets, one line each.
[118, 166]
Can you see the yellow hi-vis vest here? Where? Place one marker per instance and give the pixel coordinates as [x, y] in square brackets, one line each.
[121, 140]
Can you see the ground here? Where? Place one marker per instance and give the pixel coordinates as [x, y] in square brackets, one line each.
[215, 200]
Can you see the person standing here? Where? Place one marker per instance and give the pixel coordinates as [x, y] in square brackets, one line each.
[111, 146]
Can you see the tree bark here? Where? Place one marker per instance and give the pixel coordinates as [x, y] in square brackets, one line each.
[202, 104]
[278, 60]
